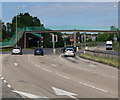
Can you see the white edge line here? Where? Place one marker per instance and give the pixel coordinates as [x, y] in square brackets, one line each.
[5, 81]
[9, 86]
[2, 78]
[28, 94]
[93, 87]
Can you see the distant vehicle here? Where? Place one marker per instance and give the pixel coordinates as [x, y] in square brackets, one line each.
[109, 45]
[63, 49]
[38, 51]
[17, 50]
[69, 52]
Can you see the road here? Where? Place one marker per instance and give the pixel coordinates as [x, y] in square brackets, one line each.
[101, 47]
[56, 76]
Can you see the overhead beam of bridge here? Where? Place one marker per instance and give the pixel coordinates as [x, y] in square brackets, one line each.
[72, 31]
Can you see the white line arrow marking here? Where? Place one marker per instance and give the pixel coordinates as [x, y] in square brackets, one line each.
[63, 92]
[28, 94]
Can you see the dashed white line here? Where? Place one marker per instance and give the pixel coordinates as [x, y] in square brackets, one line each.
[92, 87]
[92, 66]
[5, 81]
[9, 86]
[15, 64]
[2, 78]
[37, 65]
[53, 65]
[46, 70]
[63, 76]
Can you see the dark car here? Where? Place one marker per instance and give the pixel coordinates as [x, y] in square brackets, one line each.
[63, 49]
[38, 51]
[17, 50]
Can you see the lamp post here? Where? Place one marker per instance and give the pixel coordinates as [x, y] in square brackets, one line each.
[114, 26]
[17, 23]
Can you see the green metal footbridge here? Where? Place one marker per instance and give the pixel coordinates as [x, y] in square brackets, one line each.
[38, 30]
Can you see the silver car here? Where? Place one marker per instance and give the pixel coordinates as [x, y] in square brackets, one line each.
[17, 50]
[69, 52]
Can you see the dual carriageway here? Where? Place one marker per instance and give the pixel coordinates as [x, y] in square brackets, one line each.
[53, 76]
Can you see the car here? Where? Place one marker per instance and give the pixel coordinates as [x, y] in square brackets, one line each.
[109, 45]
[17, 50]
[38, 51]
[69, 52]
[63, 49]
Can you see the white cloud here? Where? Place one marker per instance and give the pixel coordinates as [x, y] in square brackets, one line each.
[60, 0]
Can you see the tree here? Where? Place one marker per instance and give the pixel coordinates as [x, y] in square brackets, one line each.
[3, 30]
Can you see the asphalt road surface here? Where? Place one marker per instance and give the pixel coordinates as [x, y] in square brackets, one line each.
[56, 76]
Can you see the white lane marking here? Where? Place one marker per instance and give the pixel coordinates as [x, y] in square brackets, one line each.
[5, 81]
[37, 65]
[15, 64]
[55, 59]
[9, 86]
[28, 94]
[32, 62]
[63, 76]
[63, 92]
[92, 66]
[53, 65]
[93, 87]
[46, 70]
[29, 57]
[2, 78]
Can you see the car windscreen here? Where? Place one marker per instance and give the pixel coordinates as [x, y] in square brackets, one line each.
[69, 49]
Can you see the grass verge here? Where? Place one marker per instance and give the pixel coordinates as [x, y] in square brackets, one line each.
[105, 60]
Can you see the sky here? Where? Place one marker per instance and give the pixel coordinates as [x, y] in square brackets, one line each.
[65, 13]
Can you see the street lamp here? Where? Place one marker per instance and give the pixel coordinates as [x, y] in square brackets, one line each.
[114, 26]
[16, 24]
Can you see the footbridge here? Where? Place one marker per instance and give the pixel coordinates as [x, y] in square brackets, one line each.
[27, 33]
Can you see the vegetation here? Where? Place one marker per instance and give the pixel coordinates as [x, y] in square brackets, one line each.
[26, 20]
[112, 62]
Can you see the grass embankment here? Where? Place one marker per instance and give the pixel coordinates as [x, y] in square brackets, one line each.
[10, 49]
[2, 50]
[105, 60]
[116, 46]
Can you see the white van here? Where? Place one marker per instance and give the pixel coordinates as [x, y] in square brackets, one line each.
[109, 45]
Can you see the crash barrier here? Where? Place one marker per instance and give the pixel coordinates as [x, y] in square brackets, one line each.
[103, 54]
